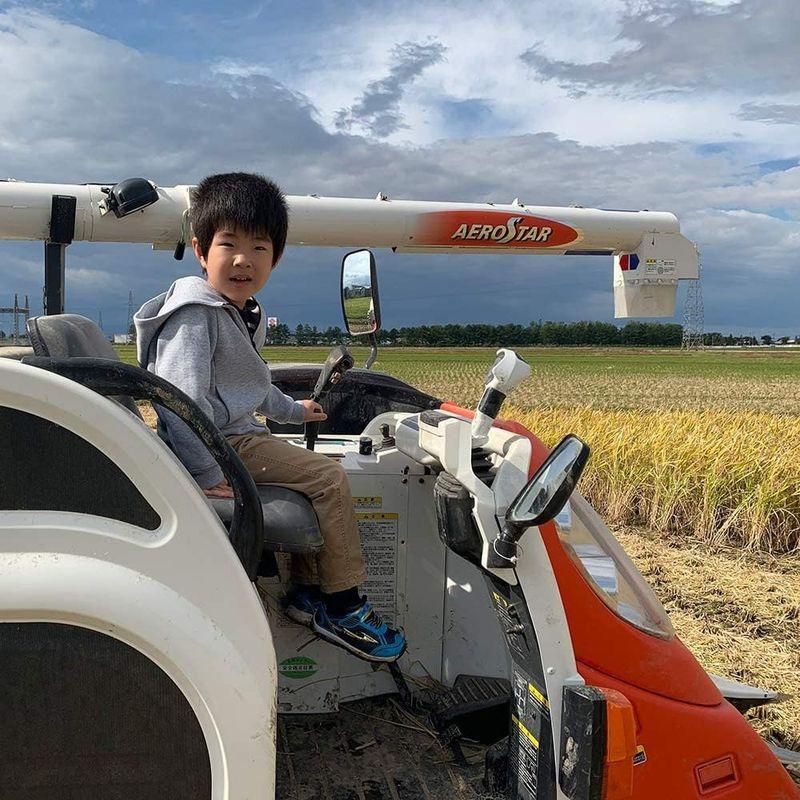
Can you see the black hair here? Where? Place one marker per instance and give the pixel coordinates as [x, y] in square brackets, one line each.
[241, 200]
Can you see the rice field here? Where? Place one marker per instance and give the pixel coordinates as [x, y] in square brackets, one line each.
[704, 444]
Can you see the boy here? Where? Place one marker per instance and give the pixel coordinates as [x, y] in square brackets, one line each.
[203, 335]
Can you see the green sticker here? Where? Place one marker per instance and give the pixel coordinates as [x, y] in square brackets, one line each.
[298, 668]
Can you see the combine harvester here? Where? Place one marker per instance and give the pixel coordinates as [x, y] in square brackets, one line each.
[141, 648]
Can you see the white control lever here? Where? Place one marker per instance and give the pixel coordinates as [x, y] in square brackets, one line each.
[507, 372]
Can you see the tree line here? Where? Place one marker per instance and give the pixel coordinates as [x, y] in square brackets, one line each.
[643, 334]
[716, 339]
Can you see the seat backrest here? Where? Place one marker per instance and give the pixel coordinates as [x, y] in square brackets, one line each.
[73, 336]
[68, 336]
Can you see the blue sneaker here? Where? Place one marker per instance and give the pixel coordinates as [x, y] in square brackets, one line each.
[362, 632]
[299, 605]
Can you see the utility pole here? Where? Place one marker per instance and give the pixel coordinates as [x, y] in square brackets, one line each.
[694, 313]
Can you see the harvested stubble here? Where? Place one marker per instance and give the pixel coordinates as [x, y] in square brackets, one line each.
[729, 477]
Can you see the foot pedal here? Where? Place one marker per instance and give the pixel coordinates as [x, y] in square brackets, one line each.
[406, 696]
[414, 701]
[476, 708]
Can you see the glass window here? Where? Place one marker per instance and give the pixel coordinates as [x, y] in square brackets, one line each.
[608, 569]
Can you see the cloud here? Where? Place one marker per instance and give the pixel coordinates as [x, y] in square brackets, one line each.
[378, 109]
[773, 113]
[685, 45]
[125, 113]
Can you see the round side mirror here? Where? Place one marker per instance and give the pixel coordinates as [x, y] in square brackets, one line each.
[360, 306]
[549, 489]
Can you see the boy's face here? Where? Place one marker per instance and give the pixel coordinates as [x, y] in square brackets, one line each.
[238, 264]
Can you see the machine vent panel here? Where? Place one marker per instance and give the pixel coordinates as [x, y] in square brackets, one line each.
[85, 715]
[45, 467]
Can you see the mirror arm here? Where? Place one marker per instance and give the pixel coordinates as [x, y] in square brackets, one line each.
[373, 340]
[503, 550]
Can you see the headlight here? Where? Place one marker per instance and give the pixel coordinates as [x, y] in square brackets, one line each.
[608, 569]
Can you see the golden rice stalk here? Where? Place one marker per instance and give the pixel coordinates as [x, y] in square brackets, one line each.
[726, 477]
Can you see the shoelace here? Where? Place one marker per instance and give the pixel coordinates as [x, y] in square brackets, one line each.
[372, 618]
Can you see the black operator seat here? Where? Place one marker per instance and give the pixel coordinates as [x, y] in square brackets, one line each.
[290, 524]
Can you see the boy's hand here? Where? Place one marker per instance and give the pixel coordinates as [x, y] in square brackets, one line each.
[221, 489]
[313, 411]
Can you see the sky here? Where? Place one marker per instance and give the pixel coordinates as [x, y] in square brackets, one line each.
[688, 106]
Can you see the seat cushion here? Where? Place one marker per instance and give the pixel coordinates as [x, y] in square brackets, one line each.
[290, 524]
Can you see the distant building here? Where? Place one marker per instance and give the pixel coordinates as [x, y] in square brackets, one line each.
[122, 338]
[273, 322]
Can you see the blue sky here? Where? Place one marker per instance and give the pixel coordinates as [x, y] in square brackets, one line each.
[678, 105]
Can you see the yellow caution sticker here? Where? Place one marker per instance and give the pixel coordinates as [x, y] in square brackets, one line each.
[377, 516]
[367, 502]
[500, 600]
[525, 732]
[537, 695]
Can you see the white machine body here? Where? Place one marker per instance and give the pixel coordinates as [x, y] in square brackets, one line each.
[507, 372]
[414, 580]
[651, 239]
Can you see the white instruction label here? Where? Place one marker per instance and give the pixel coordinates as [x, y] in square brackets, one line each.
[378, 534]
[660, 266]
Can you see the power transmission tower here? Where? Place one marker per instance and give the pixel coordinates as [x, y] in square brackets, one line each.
[17, 311]
[130, 315]
[694, 313]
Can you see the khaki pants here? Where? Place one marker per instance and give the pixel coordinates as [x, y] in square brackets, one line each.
[340, 563]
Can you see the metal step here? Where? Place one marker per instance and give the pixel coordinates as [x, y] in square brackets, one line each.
[475, 708]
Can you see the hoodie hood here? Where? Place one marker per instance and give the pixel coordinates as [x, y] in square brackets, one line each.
[192, 290]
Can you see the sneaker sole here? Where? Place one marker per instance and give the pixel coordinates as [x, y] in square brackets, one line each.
[325, 634]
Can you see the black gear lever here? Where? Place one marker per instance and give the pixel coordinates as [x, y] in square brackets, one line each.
[338, 362]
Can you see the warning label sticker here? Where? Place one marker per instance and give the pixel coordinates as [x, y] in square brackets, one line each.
[525, 757]
[378, 534]
[367, 503]
[660, 266]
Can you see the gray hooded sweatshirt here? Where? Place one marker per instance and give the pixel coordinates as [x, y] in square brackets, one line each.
[194, 338]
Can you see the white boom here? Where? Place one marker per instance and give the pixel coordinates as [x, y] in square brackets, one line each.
[650, 253]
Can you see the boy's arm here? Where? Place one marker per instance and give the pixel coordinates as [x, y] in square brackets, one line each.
[281, 408]
[184, 349]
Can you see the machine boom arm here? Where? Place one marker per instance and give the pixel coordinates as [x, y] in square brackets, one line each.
[650, 254]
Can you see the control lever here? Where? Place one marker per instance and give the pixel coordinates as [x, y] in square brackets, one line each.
[507, 372]
[338, 362]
